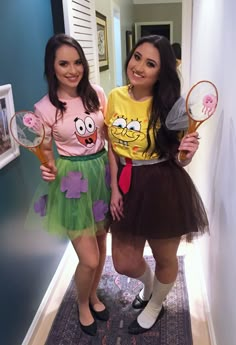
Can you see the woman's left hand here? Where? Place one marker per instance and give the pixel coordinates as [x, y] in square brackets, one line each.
[189, 144]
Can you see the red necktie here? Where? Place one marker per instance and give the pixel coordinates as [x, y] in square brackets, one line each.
[125, 176]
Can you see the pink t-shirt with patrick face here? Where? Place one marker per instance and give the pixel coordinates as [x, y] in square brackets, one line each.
[78, 133]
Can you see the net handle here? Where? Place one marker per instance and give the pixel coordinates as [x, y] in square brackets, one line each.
[37, 150]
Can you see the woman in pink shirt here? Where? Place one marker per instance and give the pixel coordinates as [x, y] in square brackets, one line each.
[79, 188]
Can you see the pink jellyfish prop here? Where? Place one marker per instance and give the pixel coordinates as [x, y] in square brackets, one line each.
[32, 121]
[209, 104]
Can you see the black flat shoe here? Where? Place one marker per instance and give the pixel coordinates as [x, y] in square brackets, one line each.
[139, 303]
[100, 315]
[135, 328]
[90, 329]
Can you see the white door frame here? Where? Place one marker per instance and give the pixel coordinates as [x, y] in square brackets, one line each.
[186, 42]
[115, 9]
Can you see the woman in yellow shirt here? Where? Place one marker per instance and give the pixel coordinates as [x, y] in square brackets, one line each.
[153, 198]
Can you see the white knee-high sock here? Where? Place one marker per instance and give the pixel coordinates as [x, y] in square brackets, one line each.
[147, 280]
[148, 316]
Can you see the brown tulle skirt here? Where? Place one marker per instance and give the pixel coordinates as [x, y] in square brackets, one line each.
[162, 203]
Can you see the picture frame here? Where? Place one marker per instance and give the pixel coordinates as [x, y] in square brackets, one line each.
[129, 41]
[101, 23]
[9, 149]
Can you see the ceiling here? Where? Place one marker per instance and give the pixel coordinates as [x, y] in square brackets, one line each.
[141, 2]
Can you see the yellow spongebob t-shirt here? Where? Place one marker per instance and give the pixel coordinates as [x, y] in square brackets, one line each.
[127, 122]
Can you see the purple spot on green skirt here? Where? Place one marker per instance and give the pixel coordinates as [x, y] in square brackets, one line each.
[74, 185]
[108, 176]
[100, 208]
[41, 205]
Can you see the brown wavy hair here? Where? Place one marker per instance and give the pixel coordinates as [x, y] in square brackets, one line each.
[84, 89]
[166, 91]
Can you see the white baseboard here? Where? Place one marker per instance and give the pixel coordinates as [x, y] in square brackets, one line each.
[205, 298]
[46, 312]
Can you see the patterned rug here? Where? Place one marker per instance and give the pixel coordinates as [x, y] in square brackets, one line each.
[118, 292]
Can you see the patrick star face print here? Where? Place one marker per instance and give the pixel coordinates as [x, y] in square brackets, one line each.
[86, 131]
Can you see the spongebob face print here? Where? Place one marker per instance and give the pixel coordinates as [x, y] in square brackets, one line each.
[128, 124]
[86, 131]
[126, 131]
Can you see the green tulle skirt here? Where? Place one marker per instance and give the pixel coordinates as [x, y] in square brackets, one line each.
[77, 202]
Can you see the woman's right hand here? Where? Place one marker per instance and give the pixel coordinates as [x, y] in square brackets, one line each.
[48, 171]
[116, 205]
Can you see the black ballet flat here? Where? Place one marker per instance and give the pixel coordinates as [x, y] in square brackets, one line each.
[90, 329]
[102, 315]
[139, 303]
[135, 328]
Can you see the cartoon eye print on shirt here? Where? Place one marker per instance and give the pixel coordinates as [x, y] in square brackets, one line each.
[86, 131]
[126, 132]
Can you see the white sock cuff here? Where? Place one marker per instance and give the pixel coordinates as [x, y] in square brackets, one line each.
[147, 275]
[159, 285]
[147, 280]
[160, 291]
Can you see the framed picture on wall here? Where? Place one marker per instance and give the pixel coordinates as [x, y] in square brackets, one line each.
[164, 28]
[9, 149]
[101, 22]
[129, 41]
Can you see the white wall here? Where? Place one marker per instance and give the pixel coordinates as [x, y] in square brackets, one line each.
[107, 78]
[214, 166]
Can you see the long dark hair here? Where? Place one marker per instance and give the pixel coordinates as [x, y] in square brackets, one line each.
[84, 89]
[166, 91]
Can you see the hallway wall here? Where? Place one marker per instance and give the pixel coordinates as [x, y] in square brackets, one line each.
[214, 166]
[107, 78]
[161, 13]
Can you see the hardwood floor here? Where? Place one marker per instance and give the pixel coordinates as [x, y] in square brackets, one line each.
[200, 332]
